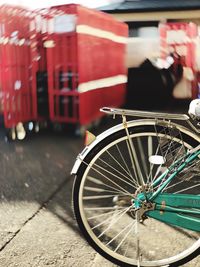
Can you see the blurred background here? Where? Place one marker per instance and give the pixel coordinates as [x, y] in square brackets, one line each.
[61, 62]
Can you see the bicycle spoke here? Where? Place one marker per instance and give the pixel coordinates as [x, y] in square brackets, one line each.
[110, 180]
[102, 190]
[102, 214]
[136, 163]
[127, 234]
[102, 208]
[127, 246]
[116, 161]
[116, 171]
[113, 175]
[150, 153]
[173, 185]
[114, 222]
[150, 177]
[125, 164]
[137, 239]
[95, 180]
[115, 237]
[186, 189]
[98, 197]
[108, 186]
[121, 212]
[132, 164]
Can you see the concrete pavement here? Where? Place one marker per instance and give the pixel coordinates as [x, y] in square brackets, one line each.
[37, 227]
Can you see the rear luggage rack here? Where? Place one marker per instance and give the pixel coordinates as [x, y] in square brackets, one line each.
[145, 114]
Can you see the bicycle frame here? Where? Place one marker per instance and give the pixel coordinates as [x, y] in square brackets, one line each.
[174, 208]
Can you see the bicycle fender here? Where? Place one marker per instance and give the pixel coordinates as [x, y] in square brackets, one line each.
[80, 158]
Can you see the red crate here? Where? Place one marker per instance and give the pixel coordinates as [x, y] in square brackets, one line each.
[86, 66]
[22, 59]
[15, 65]
[39, 77]
[16, 90]
[181, 38]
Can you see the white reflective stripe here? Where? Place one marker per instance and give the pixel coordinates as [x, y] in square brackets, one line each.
[101, 83]
[101, 33]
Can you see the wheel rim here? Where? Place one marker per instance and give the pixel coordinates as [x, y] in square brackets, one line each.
[100, 210]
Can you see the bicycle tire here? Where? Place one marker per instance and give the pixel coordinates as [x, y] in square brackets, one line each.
[84, 182]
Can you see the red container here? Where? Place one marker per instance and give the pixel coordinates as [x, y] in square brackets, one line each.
[39, 74]
[85, 61]
[16, 95]
[22, 62]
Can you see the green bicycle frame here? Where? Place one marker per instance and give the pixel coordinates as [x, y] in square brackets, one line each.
[181, 210]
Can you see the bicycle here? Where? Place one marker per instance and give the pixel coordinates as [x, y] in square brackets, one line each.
[136, 192]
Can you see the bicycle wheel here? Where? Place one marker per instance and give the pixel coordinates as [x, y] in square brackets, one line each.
[107, 182]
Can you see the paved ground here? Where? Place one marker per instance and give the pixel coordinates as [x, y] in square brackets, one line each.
[36, 222]
[37, 227]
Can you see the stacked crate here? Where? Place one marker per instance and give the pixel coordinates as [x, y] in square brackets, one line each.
[15, 62]
[38, 34]
[63, 63]
[85, 62]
